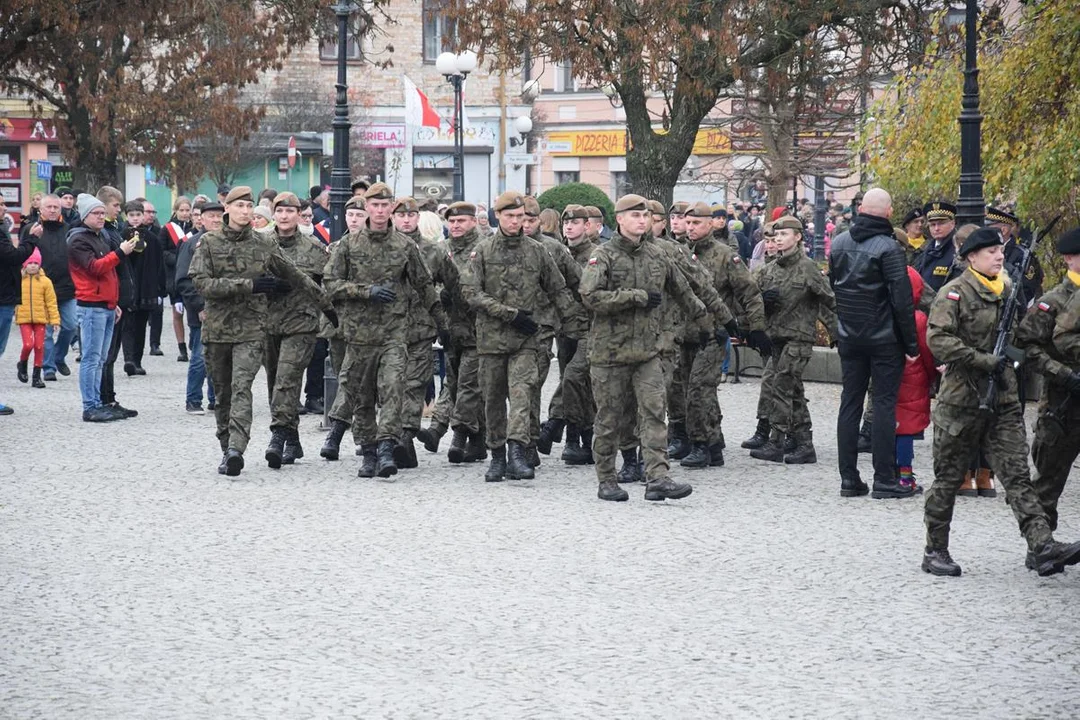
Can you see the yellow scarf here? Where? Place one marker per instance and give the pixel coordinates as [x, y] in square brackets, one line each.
[916, 243]
[1075, 277]
[996, 285]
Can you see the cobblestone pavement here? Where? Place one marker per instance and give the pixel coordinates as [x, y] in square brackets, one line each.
[136, 582]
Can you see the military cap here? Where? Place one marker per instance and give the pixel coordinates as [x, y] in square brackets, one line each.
[315, 191]
[718, 211]
[573, 212]
[223, 189]
[509, 200]
[1069, 243]
[788, 222]
[355, 203]
[463, 209]
[359, 185]
[379, 191]
[913, 215]
[678, 208]
[983, 237]
[699, 209]
[286, 199]
[594, 212]
[532, 207]
[406, 205]
[767, 230]
[657, 208]
[997, 215]
[240, 192]
[631, 202]
[939, 210]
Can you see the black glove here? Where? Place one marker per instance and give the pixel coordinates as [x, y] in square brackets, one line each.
[722, 336]
[570, 346]
[281, 287]
[760, 342]
[331, 316]
[771, 299]
[1002, 363]
[263, 285]
[655, 298]
[732, 328]
[1073, 382]
[703, 338]
[444, 298]
[444, 338]
[382, 294]
[523, 323]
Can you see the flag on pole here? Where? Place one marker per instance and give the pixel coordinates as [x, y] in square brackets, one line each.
[418, 110]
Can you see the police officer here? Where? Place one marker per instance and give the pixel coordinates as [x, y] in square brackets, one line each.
[623, 285]
[1009, 226]
[235, 270]
[292, 323]
[936, 258]
[962, 333]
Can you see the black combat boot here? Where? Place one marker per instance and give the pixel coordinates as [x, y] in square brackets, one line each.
[853, 487]
[760, 436]
[387, 467]
[580, 454]
[1052, 557]
[866, 445]
[293, 449]
[532, 456]
[401, 455]
[803, 453]
[370, 464]
[20, 371]
[409, 451]
[332, 446]
[773, 450]
[223, 467]
[631, 470]
[550, 432]
[572, 448]
[790, 443]
[716, 455]
[276, 448]
[680, 446]
[497, 469]
[610, 490]
[517, 464]
[234, 462]
[475, 450]
[666, 489]
[698, 457]
[456, 453]
[37, 381]
[939, 562]
[431, 436]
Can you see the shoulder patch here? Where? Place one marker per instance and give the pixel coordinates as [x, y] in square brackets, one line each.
[1044, 307]
[472, 255]
[693, 257]
[592, 260]
[736, 259]
[953, 295]
[198, 243]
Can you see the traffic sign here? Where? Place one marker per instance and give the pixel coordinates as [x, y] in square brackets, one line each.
[292, 151]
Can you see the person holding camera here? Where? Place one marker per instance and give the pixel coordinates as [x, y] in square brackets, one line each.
[148, 276]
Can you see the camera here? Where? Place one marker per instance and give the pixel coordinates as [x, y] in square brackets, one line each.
[137, 234]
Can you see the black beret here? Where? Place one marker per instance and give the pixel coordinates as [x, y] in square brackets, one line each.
[915, 214]
[1069, 243]
[983, 237]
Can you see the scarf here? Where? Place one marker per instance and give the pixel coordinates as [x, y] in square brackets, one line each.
[995, 284]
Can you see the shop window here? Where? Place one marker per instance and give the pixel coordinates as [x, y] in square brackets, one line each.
[440, 33]
[620, 184]
[567, 176]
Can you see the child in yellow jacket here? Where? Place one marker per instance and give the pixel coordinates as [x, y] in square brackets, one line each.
[37, 310]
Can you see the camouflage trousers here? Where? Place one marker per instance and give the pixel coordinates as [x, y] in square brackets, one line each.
[543, 367]
[701, 367]
[579, 407]
[1054, 449]
[468, 407]
[669, 365]
[563, 355]
[767, 392]
[232, 368]
[958, 433]
[419, 370]
[513, 377]
[286, 359]
[674, 385]
[790, 412]
[444, 404]
[371, 375]
[629, 399]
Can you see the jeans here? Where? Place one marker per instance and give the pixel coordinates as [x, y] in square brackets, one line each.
[727, 358]
[56, 353]
[112, 352]
[7, 314]
[97, 330]
[905, 450]
[858, 364]
[197, 370]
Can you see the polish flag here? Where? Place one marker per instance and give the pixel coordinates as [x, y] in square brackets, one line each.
[418, 110]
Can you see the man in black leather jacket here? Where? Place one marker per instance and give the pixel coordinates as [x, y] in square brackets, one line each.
[876, 323]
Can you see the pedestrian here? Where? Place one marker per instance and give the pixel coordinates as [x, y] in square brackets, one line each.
[13, 253]
[507, 279]
[194, 308]
[69, 214]
[148, 276]
[550, 223]
[876, 331]
[235, 270]
[913, 396]
[623, 285]
[37, 309]
[262, 218]
[93, 265]
[50, 236]
[936, 258]
[113, 200]
[172, 236]
[962, 333]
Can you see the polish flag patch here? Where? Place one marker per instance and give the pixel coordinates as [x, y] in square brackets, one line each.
[953, 295]
[736, 259]
[472, 255]
[1044, 307]
[592, 261]
[693, 257]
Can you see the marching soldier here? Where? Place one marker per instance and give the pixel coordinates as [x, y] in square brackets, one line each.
[659, 218]
[508, 278]
[371, 274]
[235, 270]
[623, 285]
[1057, 430]
[292, 324]
[936, 258]
[767, 391]
[595, 224]
[677, 219]
[962, 334]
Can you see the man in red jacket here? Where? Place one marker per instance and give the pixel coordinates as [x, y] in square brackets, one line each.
[97, 290]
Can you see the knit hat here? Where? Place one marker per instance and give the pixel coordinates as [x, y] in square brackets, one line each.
[35, 257]
[264, 212]
[85, 203]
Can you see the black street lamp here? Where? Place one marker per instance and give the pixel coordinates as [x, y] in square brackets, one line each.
[455, 68]
[340, 175]
[971, 207]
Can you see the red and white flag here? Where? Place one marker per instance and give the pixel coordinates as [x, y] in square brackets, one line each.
[418, 110]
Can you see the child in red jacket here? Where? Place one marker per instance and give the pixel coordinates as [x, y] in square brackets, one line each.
[913, 399]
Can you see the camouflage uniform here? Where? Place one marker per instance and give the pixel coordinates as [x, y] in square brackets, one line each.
[767, 391]
[578, 405]
[962, 331]
[420, 357]
[223, 268]
[375, 357]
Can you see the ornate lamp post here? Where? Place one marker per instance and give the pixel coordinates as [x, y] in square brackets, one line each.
[455, 68]
[340, 175]
[971, 207]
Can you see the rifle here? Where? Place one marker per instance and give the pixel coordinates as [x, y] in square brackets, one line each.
[1002, 346]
